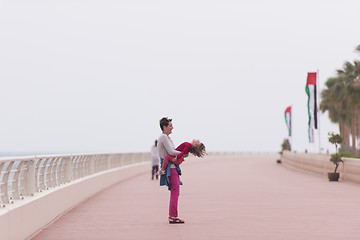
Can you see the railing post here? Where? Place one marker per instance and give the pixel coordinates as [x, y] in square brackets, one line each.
[92, 164]
[68, 169]
[4, 184]
[108, 161]
[30, 179]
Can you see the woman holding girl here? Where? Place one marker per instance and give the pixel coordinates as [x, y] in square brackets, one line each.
[171, 178]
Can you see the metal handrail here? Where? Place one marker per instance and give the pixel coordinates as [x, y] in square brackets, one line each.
[24, 176]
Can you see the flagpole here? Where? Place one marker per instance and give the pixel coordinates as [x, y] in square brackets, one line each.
[318, 103]
[291, 128]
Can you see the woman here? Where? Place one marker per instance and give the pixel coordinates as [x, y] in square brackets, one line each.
[171, 179]
[154, 160]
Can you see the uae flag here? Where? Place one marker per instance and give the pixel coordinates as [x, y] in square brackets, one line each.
[288, 119]
[312, 104]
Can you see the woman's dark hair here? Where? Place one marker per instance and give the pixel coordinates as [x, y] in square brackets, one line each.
[164, 122]
[198, 150]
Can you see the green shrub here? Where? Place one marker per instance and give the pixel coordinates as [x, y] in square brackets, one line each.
[285, 145]
[335, 158]
[348, 155]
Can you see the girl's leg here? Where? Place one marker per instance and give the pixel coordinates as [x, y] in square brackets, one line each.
[175, 192]
[165, 163]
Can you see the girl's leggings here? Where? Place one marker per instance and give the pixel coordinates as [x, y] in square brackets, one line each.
[174, 192]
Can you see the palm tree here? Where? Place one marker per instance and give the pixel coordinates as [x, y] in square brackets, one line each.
[357, 87]
[351, 95]
[333, 102]
[342, 100]
[358, 48]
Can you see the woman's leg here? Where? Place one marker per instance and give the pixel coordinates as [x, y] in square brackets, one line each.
[156, 170]
[152, 172]
[175, 192]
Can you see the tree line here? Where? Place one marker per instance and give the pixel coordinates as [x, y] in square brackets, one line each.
[341, 98]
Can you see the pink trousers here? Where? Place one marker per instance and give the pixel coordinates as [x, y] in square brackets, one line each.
[174, 193]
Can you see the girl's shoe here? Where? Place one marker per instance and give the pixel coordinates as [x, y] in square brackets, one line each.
[161, 172]
[175, 220]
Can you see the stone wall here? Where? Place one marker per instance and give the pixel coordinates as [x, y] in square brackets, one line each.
[320, 164]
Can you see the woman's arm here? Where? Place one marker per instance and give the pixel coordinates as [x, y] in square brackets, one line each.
[176, 160]
[168, 146]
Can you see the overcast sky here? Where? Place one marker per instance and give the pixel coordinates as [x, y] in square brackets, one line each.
[96, 76]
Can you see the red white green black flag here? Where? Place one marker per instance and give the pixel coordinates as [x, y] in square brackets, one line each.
[312, 104]
[288, 119]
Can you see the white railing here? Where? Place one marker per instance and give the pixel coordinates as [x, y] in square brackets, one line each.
[24, 176]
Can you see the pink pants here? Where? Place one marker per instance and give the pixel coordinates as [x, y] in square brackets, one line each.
[174, 192]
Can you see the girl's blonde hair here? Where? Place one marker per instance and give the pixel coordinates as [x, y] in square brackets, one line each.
[198, 150]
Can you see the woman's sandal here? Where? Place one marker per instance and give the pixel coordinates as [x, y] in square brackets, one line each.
[175, 220]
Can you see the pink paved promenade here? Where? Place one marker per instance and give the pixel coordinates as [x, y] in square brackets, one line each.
[242, 197]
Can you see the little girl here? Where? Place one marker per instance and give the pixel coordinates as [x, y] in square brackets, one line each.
[195, 147]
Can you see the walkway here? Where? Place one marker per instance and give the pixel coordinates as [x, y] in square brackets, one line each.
[246, 197]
